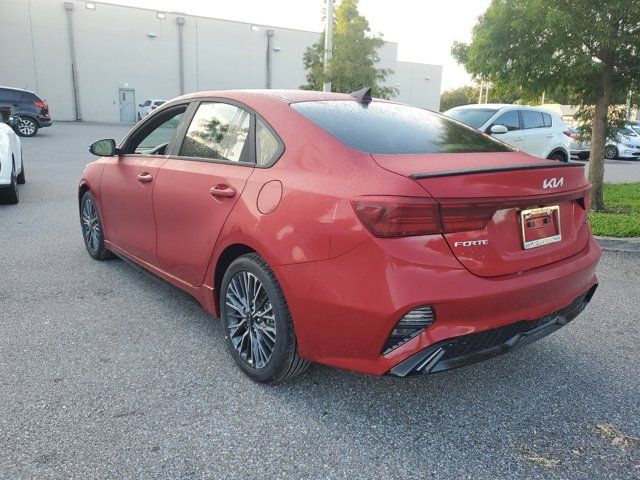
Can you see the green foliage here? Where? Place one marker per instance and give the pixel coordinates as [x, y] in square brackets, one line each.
[355, 56]
[469, 94]
[586, 50]
[622, 217]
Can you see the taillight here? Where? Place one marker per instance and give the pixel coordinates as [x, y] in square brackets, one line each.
[571, 135]
[41, 104]
[153, 107]
[390, 216]
[467, 215]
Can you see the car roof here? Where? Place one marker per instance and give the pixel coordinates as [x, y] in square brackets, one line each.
[284, 96]
[16, 89]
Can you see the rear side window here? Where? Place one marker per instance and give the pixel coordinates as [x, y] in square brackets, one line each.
[380, 127]
[532, 119]
[218, 131]
[509, 120]
[547, 120]
[267, 146]
[11, 96]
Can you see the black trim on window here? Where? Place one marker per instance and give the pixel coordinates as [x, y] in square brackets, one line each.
[151, 122]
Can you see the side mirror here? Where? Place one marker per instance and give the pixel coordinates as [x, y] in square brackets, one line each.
[104, 148]
[13, 121]
[499, 129]
[139, 104]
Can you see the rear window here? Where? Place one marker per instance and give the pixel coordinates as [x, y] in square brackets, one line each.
[532, 119]
[474, 117]
[388, 128]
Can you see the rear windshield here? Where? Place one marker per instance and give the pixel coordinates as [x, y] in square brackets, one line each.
[474, 117]
[380, 127]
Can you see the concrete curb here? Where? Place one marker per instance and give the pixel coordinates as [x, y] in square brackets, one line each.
[620, 244]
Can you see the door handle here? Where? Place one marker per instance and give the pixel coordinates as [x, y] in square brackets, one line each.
[222, 191]
[519, 138]
[145, 177]
[549, 135]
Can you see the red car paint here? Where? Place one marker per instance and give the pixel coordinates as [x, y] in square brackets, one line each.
[346, 288]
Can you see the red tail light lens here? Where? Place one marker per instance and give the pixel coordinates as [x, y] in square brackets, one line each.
[389, 216]
[467, 215]
[41, 104]
[571, 135]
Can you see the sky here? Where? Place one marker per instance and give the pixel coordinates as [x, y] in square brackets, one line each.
[423, 29]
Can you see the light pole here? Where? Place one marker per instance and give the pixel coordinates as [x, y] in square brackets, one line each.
[328, 44]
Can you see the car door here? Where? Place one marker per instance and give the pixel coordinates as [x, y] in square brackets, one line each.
[537, 136]
[127, 184]
[514, 135]
[199, 184]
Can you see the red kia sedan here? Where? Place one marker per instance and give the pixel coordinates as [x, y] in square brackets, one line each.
[345, 230]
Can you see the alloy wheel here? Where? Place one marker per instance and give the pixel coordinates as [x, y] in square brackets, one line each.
[610, 152]
[250, 319]
[26, 127]
[90, 225]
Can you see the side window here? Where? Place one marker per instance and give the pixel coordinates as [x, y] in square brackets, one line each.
[218, 131]
[532, 119]
[267, 145]
[146, 103]
[509, 120]
[547, 120]
[154, 137]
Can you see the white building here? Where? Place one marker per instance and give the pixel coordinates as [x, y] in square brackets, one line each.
[96, 61]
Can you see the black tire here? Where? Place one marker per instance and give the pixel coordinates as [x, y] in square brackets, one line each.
[611, 152]
[21, 178]
[27, 127]
[283, 361]
[139, 117]
[558, 157]
[91, 225]
[584, 155]
[9, 194]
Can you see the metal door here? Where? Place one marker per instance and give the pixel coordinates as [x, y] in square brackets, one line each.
[127, 98]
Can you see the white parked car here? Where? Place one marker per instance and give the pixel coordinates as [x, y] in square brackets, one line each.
[11, 167]
[536, 131]
[626, 145]
[579, 146]
[146, 107]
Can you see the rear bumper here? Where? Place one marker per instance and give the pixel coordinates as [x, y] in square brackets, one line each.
[467, 349]
[345, 308]
[44, 122]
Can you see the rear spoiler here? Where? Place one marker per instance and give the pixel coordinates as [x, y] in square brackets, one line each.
[507, 168]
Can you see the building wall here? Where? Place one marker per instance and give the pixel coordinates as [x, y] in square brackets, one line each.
[124, 47]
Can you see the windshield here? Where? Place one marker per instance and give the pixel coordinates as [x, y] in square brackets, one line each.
[380, 127]
[474, 117]
[627, 132]
[636, 128]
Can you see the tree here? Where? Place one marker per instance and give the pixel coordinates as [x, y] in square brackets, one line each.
[355, 56]
[456, 97]
[587, 50]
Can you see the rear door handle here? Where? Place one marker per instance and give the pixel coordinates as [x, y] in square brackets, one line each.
[549, 135]
[222, 191]
[145, 177]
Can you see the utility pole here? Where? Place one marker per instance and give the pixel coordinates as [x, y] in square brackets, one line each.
[268, 62]
[328, 44]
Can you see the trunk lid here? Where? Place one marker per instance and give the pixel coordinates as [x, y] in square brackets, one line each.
[503, 213]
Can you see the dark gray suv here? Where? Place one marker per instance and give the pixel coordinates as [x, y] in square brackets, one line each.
[32, 110]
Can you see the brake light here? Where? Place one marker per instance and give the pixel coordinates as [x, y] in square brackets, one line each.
[41, 104]
[389, 216]
[153, 107]
[467, 215]
[571, 135]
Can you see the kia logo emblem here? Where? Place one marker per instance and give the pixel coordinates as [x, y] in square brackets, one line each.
[553, 182]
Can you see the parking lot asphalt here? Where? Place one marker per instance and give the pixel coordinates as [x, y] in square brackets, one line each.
[107, 372]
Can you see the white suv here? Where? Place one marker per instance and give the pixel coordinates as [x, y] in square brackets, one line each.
[149, 105]
[536, 131]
